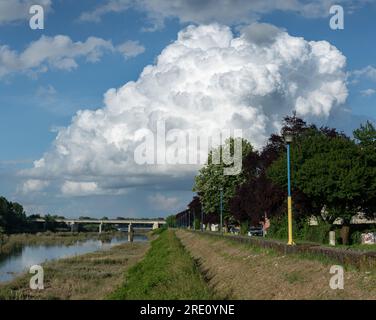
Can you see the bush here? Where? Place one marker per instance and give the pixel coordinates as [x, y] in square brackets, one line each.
[356, 237]
[279, 228]
[159, 230]
[197, 224]
[244, 227]
[319, 233]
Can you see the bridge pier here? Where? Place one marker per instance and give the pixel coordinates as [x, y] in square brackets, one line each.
[155, 225]
[130, 232]
[100, 227]
[74, 227]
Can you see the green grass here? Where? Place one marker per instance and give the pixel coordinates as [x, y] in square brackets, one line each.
[273, 252]
[294, 277]
[358, 247]
[167, 272]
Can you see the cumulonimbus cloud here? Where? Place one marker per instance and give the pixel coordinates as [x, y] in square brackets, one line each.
[208, 79]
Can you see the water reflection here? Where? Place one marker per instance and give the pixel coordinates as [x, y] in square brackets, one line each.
[23, 257]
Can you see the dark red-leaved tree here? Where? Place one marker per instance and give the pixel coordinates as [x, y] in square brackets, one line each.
[259, 195]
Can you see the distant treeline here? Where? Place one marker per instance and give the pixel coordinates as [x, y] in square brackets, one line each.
[13, 219]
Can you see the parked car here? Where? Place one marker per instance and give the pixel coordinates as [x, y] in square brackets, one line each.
[255, 231]
[234, 230]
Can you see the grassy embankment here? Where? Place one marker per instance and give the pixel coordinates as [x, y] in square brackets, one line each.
[243, 271]
[166, 272]
[89, 276]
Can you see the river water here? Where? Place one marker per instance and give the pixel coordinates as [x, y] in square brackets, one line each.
[22, 258]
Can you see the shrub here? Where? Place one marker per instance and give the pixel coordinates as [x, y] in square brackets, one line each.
[197, 224]
[319, 233]
[244, 227]
[279, 228]
[356, 237]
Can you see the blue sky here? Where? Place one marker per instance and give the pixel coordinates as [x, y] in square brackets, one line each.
[36, 103]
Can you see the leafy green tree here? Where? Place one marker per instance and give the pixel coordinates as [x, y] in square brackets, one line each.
[171, 221]
[50, 222]
[211, 178]
[12, 217]
[366, 137]
[259, 196]
[326, 169]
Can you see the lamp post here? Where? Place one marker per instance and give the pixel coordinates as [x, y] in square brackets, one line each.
[221, 208]
[202, 217]
[194, 219]
[288, 139]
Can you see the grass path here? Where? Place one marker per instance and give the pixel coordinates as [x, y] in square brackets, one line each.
[167, 272]
[240, 271]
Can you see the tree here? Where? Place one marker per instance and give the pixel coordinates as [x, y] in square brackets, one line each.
[259, 195]
[329, 168]
[171, 221]
[195, 211]
[12, 216]
[366, 138]
[212, 177]
[366, 135]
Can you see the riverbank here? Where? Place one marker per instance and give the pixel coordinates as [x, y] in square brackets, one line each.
[167, 272]
[241, 271]
[89, 276]
[11, 242]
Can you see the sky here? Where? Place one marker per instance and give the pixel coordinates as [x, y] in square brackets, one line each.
[76, 95]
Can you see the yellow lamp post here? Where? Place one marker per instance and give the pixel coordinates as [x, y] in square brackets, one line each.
[288, 140]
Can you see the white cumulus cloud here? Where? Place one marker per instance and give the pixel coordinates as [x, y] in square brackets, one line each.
[368, 72]
[161, 202]
[60, 52]
[130, 49]
[17, 10]
[368, 92]
[222, 11]
[72, 188]
[34, 185]
[208, 79]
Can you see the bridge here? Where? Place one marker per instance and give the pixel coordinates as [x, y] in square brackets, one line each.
[73, 223]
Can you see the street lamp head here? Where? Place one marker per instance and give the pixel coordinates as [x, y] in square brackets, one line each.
[288, 137]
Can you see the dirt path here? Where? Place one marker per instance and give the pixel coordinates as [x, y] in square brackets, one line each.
[237, 271]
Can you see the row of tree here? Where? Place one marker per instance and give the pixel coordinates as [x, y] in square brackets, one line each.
[333, 176]
[13, 219]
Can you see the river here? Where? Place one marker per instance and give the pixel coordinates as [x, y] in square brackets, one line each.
[21, 259]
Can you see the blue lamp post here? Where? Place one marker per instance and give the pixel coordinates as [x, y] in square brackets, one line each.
[221, 208]
[202, 217]
[288, 140]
